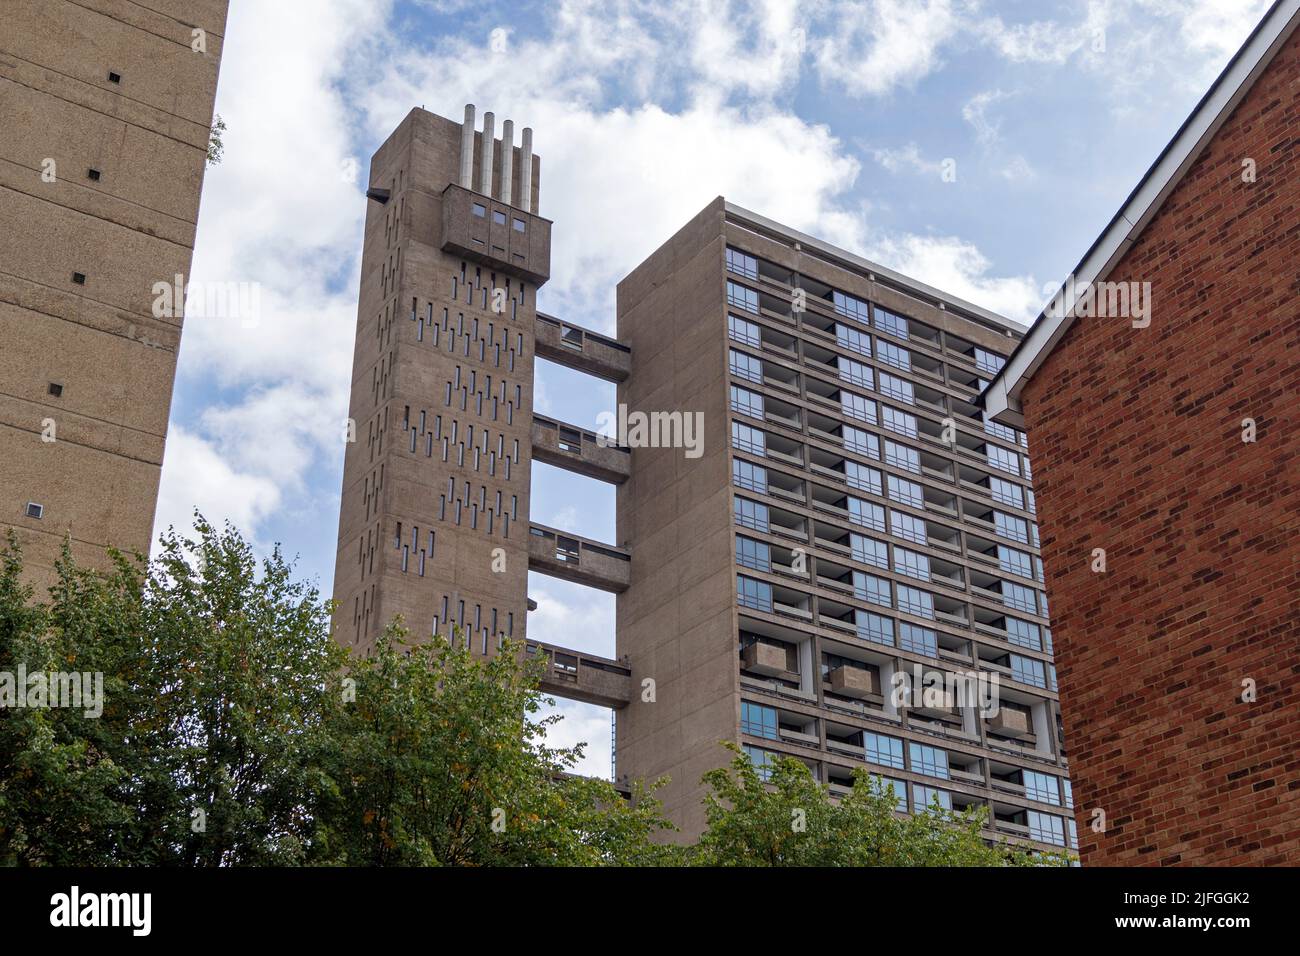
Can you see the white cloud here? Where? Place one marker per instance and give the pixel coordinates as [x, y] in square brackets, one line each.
[870, 48]
[197, 475]
[960, 269]
[908, 159]
[975, 112]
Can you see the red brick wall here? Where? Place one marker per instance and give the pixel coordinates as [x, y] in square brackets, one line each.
[1136, 437]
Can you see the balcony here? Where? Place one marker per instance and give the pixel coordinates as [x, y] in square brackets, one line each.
[576, 559]
[581, 349]
[495, 234]
[855, 682]
[578, 450]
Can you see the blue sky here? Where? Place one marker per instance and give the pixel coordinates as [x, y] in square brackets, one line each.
[834, 117]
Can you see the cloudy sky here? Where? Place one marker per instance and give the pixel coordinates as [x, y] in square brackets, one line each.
[837, 118]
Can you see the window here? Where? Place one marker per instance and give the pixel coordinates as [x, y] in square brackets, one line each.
[742, 330]
[873, 590]
[925, 799]
[479, 209]
[875, 628]
[988, 362]
[751, 514]
[1046, 828]
[907, 527]
[852, 339]
[35, 510]
[869, 551]
[752, 593]
[56, 390]
[746, 474]
[1003, 459]
[1007, 492]
[1009, 526]
[1028, 671]
[79, 278]
[742, 263]
[1021, 598]
[864, 443]
[1023, 634]
[899, 790]
[911, 564]
[746, 366]
[853, 308]
[1001, 431]
[763, 760]
[1041, 787]
[93, 174]
[918, 640]
[858, 406]
[898, 388]
[1029, 502]
[758, 721]
[905, 492]
[867, 514]
[915, 601]
[498, 217]
[895, 325]
[895, 355]
[897, 421]
[861, 477]
[517, 225]
[930, 761]
[749, 439]
[746, 402]
[1014, 562]
[901, 456]
[741, 297]
[753, 554]
[114, 77]
[1068, 789]
[884, 751]
[855, 372]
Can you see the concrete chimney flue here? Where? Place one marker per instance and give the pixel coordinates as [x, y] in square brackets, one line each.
[489, 141]
[507, 161]
[526, 171]
[467, 148]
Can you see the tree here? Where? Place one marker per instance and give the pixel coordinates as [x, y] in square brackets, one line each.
[439, 760]
[216, 671]
[789, 819]
[216, 148]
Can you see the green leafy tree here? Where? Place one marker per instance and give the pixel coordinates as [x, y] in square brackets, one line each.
[439, 759]
[216, 148]
[789, 819]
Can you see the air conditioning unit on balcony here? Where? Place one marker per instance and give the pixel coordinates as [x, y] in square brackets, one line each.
[764, 659]
[855, 681]
[1012, 722]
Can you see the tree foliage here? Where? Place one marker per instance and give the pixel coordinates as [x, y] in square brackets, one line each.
[236, 731]
[789, 819]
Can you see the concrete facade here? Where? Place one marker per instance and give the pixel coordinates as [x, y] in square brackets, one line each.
[435, 524]
[1178, 661]
[105, 113]
[764, 607]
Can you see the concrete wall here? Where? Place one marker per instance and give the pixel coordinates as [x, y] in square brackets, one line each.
[677, 620]
[147, 136]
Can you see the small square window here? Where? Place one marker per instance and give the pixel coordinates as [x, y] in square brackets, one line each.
[79, 278]
[480, 209]
[518, 225]
[498, 217]
[34, 510]
[93, 174]
[114, 77]
[56, 389]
